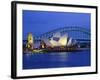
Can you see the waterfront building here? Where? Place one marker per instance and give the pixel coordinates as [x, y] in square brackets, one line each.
[60, 40]
[42, 44]
[30, 41]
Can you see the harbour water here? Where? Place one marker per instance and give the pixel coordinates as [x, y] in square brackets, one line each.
[56, 59]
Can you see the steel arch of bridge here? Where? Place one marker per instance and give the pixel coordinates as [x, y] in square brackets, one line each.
[64, 30]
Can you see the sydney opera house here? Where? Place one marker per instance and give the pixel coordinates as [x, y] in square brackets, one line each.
[59, 40]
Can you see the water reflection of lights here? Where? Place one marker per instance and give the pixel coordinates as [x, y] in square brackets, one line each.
[28, 55]
[63, 56]
[60, 56]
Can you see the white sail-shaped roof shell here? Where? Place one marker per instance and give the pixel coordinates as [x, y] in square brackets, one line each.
[63, 40]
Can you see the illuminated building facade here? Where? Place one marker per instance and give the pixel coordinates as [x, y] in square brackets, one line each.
[30, 41]
[60, 40]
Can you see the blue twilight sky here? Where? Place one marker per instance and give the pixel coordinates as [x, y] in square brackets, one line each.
[39, 22]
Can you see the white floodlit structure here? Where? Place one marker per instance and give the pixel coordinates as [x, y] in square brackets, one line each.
[59, 40]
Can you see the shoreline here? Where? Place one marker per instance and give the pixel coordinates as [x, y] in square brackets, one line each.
[54, 50]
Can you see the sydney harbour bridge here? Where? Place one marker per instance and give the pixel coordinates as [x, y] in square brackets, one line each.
[77, 33]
